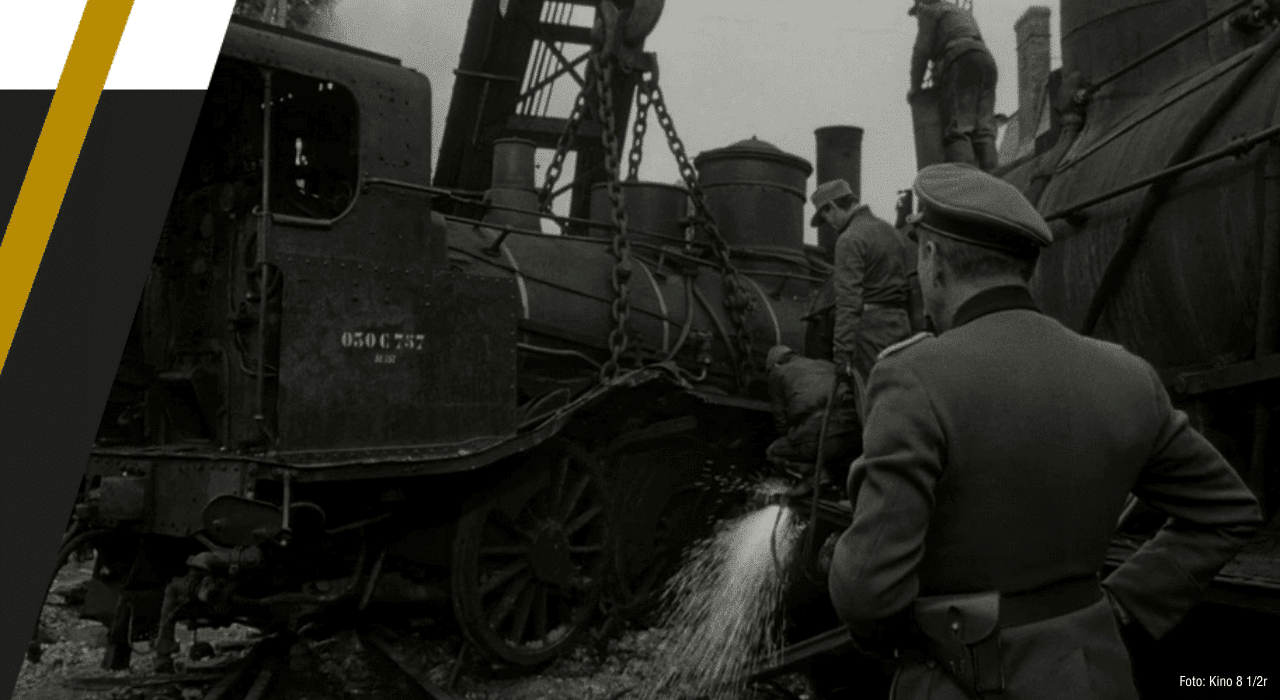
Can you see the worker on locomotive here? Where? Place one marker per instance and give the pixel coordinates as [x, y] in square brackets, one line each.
[965, 74]
[861, 310]
[1008, 443]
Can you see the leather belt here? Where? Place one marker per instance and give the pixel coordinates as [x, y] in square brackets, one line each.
[1049, 601]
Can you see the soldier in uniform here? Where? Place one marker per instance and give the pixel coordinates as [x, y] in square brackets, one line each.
[870, 279]
[801, 391]
[997, 457]
[965, 73]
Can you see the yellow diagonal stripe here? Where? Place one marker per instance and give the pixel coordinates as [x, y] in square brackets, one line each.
[65, 126]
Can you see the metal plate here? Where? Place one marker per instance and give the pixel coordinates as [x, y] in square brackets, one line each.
[182, 490]
[387, 358]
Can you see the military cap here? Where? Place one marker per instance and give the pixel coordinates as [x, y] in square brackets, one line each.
[827, 193]
[963, 203]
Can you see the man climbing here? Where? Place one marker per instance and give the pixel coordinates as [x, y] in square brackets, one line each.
[964, 73]
[870, 279]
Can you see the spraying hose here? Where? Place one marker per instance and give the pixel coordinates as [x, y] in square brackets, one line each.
[817, 476]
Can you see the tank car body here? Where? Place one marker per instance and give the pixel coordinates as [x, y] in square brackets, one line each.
[1160, 181]
[334, 397]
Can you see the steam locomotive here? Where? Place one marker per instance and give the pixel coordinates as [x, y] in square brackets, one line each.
[336, 395]
[350, 386]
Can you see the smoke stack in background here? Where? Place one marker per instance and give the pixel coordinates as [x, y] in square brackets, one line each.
[839, 155]
[1032, 31]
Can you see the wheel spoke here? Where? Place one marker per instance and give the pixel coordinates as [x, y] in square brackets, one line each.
[512, 528]
[503, 610]
[523, 608]
[571, 503]
[562, 476]
[581, 521]
[503, 576]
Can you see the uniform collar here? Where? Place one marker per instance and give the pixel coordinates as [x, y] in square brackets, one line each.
[989, 301]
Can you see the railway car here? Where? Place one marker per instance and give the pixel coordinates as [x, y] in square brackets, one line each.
[347, 387]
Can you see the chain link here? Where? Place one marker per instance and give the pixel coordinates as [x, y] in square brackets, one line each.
[643, 99]
[622, 266]
[737, 301]
[562, 150]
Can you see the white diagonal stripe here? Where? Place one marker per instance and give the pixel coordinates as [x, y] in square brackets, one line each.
[35, 38]
[170, 45]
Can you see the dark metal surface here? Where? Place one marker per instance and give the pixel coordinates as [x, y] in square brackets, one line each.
[652, 208]
[1099, 37]
[756, 193]
[377, 357]
[182, 490]
[839, 155]
[564, 284]
[1190, 295]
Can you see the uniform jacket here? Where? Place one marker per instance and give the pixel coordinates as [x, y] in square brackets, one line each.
[945, 33]
[870, 268]
[799, 388]
[997, 457]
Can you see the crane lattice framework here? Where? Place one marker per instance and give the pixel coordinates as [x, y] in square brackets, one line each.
[515, 56]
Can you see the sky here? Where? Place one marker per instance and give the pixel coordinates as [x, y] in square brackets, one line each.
[733, 69]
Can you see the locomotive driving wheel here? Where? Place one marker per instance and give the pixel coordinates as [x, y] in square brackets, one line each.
[526, 580]
[642, 566]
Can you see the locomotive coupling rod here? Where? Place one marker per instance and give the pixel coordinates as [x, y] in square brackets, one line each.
[1231, 149]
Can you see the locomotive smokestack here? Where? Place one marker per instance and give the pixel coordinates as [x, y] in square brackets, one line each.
[839, 155]
[513, 186]
[1032, 30]
[513, 164]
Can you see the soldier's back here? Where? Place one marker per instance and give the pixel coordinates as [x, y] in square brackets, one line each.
[1046, 432]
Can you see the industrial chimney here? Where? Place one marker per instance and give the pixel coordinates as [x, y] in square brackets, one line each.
[839, 151]
[1032, 31]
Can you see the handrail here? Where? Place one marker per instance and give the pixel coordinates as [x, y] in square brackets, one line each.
[1231, 149]
[1114, 75]
[562, 220]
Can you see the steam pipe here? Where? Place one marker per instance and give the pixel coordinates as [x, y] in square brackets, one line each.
[1118, 267]
[1230, 149]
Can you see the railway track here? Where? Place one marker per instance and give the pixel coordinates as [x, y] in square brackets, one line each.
[390, 655]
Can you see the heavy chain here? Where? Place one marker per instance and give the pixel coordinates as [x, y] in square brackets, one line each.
[562, 150]
[622, 267]
[737, 301]
[643, 98]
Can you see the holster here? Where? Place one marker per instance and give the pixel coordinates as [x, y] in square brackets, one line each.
[962, 633]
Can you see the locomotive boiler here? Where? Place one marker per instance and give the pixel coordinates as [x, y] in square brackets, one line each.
[347, 388]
